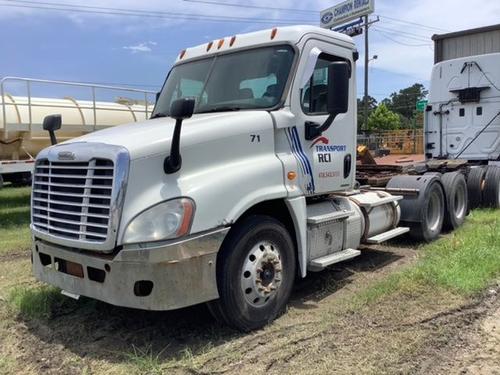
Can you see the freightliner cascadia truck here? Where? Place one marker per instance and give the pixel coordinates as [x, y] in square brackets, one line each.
[243, 179]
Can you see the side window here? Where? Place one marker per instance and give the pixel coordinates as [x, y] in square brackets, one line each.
[314, 94]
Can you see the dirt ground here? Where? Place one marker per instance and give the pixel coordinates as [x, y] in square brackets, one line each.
[477, 350]
[320, 333]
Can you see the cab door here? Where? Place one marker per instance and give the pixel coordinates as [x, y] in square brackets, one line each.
[327, 161]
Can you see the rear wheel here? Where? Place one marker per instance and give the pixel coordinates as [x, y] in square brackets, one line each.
[431, 217]
[491, 192]
[455, 189]
[475, 185]
[255, 273]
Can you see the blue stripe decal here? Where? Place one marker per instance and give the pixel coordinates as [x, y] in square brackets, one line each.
[298, 154]
[294, 151]
[301, 151]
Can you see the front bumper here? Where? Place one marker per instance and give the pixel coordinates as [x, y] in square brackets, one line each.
[165, 277]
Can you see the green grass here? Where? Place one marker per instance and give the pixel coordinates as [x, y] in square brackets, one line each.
[6, 365]
[464, 262]
[38, 302]
[145, 361]
[14, 220]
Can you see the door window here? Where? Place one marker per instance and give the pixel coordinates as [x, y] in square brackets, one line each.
[315, 93]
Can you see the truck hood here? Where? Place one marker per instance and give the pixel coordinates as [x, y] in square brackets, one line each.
[152, 137]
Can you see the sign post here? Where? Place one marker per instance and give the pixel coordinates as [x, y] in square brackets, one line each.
[344, 12]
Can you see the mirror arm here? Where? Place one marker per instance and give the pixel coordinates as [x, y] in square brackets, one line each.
[173, 162]
[313, 129]
[53, 139]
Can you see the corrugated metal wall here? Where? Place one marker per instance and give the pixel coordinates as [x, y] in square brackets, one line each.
[462, 44]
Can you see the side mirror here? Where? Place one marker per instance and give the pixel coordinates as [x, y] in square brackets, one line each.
[180, 110]
[52, 123]
[338, 88]
[337, 98]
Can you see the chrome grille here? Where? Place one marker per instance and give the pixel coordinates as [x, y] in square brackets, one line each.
[73, 199]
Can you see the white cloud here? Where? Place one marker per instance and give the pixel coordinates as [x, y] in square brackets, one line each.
[141, 47]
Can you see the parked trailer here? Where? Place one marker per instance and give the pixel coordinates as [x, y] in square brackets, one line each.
[241, 180]
[21, 117]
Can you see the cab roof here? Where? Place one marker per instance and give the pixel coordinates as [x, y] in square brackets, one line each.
[287, 34]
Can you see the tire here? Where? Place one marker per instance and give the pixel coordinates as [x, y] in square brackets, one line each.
[1, 181]
[475, 184]
[21, 179]
[455, 190]
[255, 273]
[491, 191]
[431, 218]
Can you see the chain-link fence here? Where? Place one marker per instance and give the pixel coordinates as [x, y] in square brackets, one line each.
[404, 141]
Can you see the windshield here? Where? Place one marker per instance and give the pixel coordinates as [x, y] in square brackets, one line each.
[242, 80]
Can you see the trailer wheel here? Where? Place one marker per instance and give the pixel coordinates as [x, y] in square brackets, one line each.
[255, 273]
[21, 179]
[491, 192]
[431, 218]
[455, 189]
[475, 184]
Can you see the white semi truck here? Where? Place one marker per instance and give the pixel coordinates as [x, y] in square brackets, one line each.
[243, 179]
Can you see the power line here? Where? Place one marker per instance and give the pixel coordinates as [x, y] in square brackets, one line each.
[235, 5]
[141, 13]
[413, 23]
[399, 32]
[137, 12]
[399, 42]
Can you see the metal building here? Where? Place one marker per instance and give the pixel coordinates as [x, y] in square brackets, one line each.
[466, 43]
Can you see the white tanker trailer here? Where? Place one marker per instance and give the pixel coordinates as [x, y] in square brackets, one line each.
[21, 118]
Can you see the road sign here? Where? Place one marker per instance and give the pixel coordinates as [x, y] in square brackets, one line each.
[351, 29]
[345, 12]
[421, 104]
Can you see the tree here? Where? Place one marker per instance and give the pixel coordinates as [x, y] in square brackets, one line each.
[382, 118]
[404, 102]
[372, 104]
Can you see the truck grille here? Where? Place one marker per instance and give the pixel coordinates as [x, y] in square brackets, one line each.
[73, 199]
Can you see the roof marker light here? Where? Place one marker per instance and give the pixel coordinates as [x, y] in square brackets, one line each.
[181, 55]
[209, 45]
[233, 39]
[221, 42]
[274, 31]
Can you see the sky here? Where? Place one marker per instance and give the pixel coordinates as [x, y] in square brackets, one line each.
[134, 43]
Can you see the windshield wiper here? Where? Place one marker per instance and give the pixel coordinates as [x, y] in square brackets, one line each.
[159, 114]
[220, 109]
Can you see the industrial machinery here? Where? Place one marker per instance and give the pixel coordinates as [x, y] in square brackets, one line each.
[21, 117]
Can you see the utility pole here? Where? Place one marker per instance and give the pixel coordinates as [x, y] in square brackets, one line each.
[365, 122]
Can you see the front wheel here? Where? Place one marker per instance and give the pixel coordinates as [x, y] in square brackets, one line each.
[255, 273]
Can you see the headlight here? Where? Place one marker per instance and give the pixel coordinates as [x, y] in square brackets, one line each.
[166, 220]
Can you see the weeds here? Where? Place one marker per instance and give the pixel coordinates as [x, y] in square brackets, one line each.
[145, 361]
[37, 303]
[465, 263]
[14, 220]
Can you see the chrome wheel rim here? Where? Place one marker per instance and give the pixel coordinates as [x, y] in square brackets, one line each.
[434, 211]
[460, 201]
[261, 274]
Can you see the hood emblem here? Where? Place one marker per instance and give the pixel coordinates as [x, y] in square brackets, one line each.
[66, 155]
